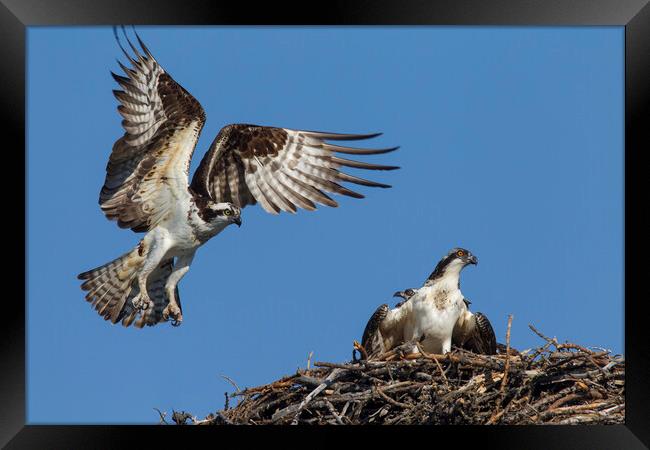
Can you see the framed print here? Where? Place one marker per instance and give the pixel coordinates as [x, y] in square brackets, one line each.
[428, 137]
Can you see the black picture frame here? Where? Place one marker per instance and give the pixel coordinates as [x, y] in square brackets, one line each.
[634, 15]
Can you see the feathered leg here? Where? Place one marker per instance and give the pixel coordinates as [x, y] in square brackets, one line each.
[446, 344]
[154, 247]
[173, 309]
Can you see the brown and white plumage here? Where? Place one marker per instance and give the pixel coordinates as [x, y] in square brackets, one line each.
[372, 339]
[107, 285]
[147, 186]
[385, 329]
[149, 164]
[474, 332]
[436, 315]
[282, 169]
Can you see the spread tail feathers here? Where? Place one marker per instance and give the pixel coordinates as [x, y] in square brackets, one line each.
[111, 288]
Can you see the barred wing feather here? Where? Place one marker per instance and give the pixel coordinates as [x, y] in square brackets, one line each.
[280, 168]
[148, 166]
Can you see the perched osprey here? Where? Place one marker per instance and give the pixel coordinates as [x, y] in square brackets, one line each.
[473, 331]
[147, 190]
[436, 315]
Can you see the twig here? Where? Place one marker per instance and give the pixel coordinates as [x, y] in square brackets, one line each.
[547, 339]
[308, 381]
[574, 346]
[332, 376]
[230, 380]
[162, 417]
[332, 410]
[337, 366]
[432, 356]
[507, 365]
[497, 412]
[381, 393]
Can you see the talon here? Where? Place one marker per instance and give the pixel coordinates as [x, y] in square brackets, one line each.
[142, 303]
[147, 304]
[174, 312]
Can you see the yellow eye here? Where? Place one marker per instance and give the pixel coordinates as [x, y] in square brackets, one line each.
[460, 253]
[227, 212]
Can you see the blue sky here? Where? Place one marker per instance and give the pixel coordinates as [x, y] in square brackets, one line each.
[511, 146]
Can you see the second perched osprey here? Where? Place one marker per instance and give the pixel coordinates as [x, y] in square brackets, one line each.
[147, 187]
[436, 314]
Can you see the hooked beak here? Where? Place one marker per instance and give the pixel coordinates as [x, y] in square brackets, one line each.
[238, 221]
[473, 260]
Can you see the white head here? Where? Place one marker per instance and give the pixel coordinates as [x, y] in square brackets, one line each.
[222, 214]
[451, 264]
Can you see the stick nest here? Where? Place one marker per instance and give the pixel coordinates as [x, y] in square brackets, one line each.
[553, 384]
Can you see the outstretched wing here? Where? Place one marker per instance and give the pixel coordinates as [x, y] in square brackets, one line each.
[282, 169]
[148, 167]
[385, 328]
[372, 340]
[474, 332]
[485, 337]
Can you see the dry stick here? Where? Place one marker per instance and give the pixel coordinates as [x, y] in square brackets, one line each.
[162, 417]
[432, 356]
[562, 358]
[400, 385]
[332, 410]
[538, 352]
[308, 381]
[337, 366]
[615, 408]
[442, 372]
[575, 347]
[283, 382]
[547, 339]
[603, 371]
[570, 409]
[581, 419]
[497, 414]
[230, 380]
[207, 421]
[335, 373]
[474, 361]
[390, 400]
[495, 417]
[399, 352]
[309, 360]
[507, 366]
[566, 399]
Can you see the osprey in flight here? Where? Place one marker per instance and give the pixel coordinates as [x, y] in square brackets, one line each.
[436, 315]
[147, 190]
